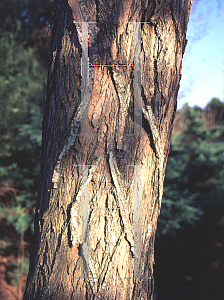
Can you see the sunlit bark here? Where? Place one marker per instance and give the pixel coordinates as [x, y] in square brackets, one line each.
[94, 166]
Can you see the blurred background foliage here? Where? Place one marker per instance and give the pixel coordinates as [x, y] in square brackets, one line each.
[189, 251]
[190, 237]
[24, 38]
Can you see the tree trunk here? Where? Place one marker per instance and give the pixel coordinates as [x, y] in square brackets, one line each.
[108, 116]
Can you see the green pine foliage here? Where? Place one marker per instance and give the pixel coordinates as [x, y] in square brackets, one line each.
[22, 90]
[190, 237]
[23, 85]
[194, 181]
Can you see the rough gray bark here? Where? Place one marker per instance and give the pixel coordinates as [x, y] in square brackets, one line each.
[91, 150]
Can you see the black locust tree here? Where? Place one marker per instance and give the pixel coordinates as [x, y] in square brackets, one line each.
[114, 74]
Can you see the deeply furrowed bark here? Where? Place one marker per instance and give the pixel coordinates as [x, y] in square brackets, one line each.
[106, 145]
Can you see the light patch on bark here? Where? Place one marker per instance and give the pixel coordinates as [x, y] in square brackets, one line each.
[76, 226]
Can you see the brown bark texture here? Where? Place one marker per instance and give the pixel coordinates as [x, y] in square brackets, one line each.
[93, 164]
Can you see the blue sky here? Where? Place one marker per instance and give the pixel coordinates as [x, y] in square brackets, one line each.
[203, 62]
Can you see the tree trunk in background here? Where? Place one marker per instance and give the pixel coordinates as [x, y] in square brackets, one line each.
[100, 181]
